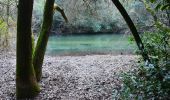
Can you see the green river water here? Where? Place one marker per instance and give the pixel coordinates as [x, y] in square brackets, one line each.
[90, 44]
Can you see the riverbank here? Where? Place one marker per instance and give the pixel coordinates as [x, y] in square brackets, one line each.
[92, 77]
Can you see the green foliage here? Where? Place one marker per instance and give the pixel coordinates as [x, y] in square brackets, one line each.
[161, 4]
[162, 7]
[3, 34]
[2, 27]
[150, 81]
[157, 45]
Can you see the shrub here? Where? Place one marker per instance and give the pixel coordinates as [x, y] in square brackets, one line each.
[150, 81]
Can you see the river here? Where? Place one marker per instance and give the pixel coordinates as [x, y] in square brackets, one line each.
[90, 44]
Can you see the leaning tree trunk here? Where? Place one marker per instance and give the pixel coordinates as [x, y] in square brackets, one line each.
[26, 84]
[132, 28]
[40, 49]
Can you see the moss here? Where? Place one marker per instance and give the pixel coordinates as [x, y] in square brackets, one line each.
[26, 84]
[33, 42]
[29, 91]
[40, 49]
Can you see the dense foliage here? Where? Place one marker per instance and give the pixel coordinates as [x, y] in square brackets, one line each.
[161, 4]
[93, 16]
[151, 80]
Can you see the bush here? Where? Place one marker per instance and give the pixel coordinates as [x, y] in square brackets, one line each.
[150, 81]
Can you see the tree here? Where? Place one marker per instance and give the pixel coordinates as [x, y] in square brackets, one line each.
[26, 84]
[40, 49]
[43, 38]
[29, 65]
[132, 28]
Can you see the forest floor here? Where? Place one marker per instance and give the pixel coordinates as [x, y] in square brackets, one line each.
[91, 77]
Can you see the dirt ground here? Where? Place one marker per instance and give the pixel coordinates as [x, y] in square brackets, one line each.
[91, 77]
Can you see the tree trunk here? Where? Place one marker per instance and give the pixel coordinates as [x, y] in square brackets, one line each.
[40, 49]
[26, 84]
[132, 28]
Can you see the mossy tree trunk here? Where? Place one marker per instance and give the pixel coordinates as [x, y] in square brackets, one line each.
[26, 84]
[40, 48]
[132, 28]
